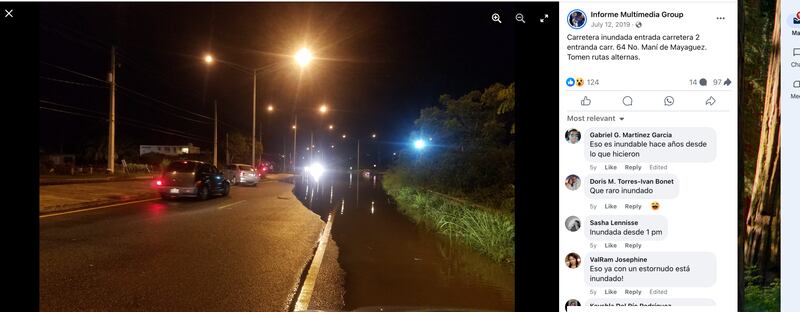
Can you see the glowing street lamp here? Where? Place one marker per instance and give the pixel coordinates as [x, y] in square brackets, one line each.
[303, 57]
[419, 144]
[208, 59]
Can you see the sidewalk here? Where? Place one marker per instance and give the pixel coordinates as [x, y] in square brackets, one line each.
[63, 197]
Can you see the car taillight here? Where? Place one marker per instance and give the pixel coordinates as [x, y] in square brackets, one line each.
[158, 182]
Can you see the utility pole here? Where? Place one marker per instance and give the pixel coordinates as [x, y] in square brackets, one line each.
[253, 154]
[261, 140]
[112, 79]
[227, 151]
[215, 133]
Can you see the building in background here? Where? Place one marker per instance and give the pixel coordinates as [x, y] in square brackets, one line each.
[169, 149]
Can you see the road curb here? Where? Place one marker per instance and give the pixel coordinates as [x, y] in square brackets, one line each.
[92, 180]
[44, 211]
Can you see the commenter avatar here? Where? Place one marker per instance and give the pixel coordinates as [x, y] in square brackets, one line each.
[571, 303]
[572, 182]
[573, 136]
[573, 223]
[572, 260]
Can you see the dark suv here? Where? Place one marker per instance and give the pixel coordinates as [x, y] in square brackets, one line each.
[190, 178]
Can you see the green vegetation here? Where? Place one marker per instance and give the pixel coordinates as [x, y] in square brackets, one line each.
[758, 297]
[469, 163]
[490, 232]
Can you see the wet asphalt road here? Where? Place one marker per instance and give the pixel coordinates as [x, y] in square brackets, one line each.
[236, 253]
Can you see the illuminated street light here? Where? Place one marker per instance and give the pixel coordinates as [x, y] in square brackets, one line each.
[323, 109]
[374, 135]
[419, 144]
[330, 127]
[270, 108]
[209, 59]
[303, 57]
[294, 127]
[344, 136]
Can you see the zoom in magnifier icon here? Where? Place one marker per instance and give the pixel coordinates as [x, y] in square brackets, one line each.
[496, 18]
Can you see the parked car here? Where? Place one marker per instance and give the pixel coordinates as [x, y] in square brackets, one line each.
[190, 178]
[241, 174]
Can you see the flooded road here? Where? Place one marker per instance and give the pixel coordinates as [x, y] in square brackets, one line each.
[391, 261]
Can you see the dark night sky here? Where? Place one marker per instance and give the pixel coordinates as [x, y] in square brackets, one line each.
[378, 65]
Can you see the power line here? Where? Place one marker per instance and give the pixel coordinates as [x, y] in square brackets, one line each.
[97, 44]
[68, 112]
[129, 121]
[73, 82]
[163, 130]
[72, 71]
[102, 115]
[128, 90]
[162, 102]
[176, 114]
[154, 73]
[147, 68]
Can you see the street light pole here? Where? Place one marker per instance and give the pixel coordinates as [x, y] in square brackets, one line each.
[215, 133]
[253, 154]
[303, 57]
[112, 110]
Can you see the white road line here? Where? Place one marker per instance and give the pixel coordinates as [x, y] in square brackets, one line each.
[95, 208]
[228, 205]
[311, 278]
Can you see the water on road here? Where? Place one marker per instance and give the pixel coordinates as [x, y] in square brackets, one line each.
[391, 261]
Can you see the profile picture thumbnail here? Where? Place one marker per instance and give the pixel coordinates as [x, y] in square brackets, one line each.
[576, 19]
[571, 303]
[573, 223]
[572, 182]
[572, 260]
[573, 136]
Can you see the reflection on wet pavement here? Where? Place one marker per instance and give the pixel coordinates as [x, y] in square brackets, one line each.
[390, 261]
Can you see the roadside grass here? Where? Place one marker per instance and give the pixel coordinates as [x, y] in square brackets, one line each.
[490, 232]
